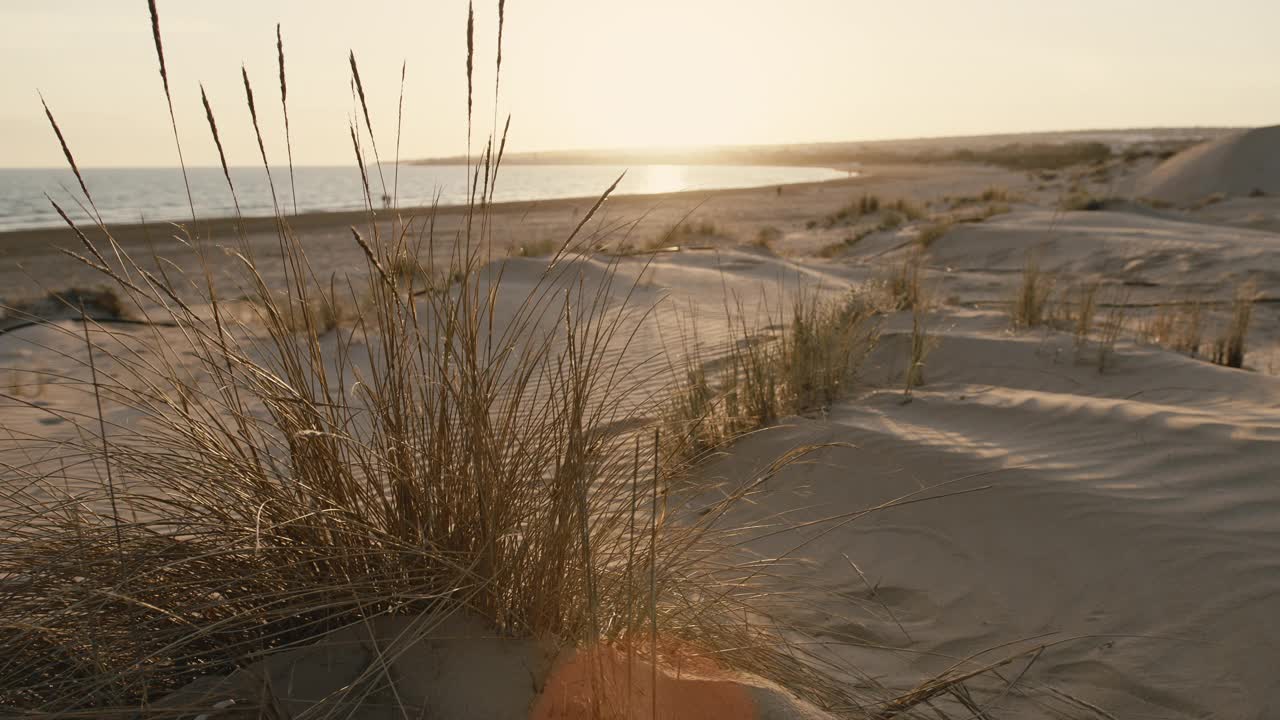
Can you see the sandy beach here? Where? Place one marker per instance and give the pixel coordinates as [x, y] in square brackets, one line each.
[1098, 505]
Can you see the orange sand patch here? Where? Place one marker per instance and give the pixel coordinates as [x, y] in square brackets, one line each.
[603, 682]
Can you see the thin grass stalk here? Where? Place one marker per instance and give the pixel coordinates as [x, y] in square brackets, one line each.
[222, 158]
[257, 132]
[173, 121]
[364, 107]
[284, 106]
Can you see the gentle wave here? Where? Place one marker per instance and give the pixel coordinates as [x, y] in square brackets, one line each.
[129, 195]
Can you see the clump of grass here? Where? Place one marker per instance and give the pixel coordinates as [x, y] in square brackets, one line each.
[1229, 348]
[823, 348]
[838, 248]
[856, 209]
[810, 363]
[1081, 200]
[899, 283]
[321, 312]
[1030, 305]
[921, 345]
[1109, 332]
[1178, 326]
[404, 265]
[101, 304]
[931, 233]
[1085, 306]
[890, 220]
[1210, 199]
[868, 205]
[685, 232]
[989, 196]
[545, 247]
[766, 237]
[907, 209]
[993, 210]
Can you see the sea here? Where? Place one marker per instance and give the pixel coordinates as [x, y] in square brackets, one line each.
[130, 195]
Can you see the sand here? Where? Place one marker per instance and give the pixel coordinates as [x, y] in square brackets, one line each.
[1236, 165]
[1126, 521]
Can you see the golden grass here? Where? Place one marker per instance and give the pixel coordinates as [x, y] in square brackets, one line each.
[1178, 326]
[686, 232]
[1109, 332]
[931, 233]
[810, 362]
[1030, 304]
[1229, 348]
[899, 284]
[922, 344]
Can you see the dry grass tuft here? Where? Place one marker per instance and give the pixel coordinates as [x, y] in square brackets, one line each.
[1109, 332]
[931, 233]
[811, 362]
[1030, 305]
[1229, 348]
[899, 284]
[921, 345]
[687, 232]
[766, 237]
[1178, 326]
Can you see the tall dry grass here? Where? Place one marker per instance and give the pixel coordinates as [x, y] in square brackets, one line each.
[1229, 347]
[772, 367]
[1031, 303]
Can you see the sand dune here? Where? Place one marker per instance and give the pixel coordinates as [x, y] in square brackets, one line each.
[1235, 165]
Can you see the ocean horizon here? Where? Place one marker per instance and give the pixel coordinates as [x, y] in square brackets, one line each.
[133, 195]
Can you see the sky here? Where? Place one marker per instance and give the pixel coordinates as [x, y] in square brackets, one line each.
[622, 73]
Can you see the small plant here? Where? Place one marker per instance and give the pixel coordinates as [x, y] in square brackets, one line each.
[900, 284]
[907, 209]
[404, 265]
[766, 237]
[931, 233]
[810, 364]
[993, 210]
[684, 232]
[823, 348]
[836, 249]
[537, 248]
[1210, 199]
[1229, 348]
[1109, 333]
[921, 345]
[890, 220]
[1030, 304]
[1081, 200]
[97, 303]
[988, 196]
[1076, 311]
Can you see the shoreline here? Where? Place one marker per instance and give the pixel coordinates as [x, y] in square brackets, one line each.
[323, 219]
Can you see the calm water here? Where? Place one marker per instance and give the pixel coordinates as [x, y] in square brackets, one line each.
[132, 194]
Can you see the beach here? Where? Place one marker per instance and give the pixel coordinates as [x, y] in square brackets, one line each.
[1094, 505]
